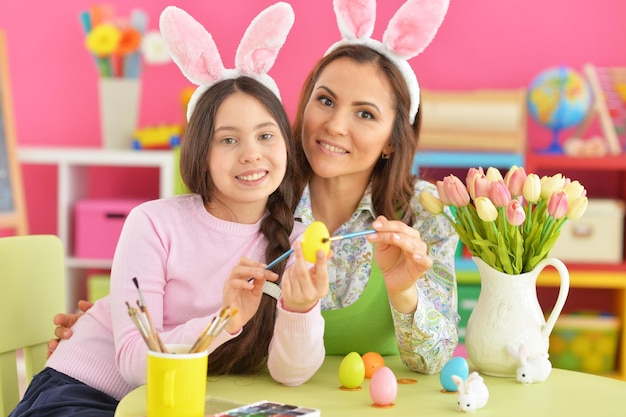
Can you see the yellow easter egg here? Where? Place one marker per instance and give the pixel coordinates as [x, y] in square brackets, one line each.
[351, 371]
[313, 240]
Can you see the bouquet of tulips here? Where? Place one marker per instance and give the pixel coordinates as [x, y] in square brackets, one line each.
[510, 222]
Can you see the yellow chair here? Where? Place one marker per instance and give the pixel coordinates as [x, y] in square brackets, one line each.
[32, 291]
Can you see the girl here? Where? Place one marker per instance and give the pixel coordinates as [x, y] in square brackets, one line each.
[195, 254]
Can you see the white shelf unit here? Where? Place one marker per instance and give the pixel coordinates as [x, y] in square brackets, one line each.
[72, 185]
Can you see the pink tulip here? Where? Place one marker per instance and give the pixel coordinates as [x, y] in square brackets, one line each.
[454, 191]
[499, 194]
[557, 204]
[442, 193]
[515, 179]
[478, 186]
[471, 173]
[515, 214]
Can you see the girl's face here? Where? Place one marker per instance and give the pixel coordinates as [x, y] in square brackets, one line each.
[247, 159]
[348, 120]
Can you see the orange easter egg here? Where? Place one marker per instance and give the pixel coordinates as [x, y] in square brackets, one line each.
[313, 240]
[372, 361]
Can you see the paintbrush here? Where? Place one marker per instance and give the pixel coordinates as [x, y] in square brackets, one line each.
[275, 261]
[142, 327]
[348, 236]
[144, 309]
[213, 329]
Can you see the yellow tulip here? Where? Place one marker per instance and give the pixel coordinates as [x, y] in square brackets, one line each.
[494, 174]
[576, 208]
[551, 185]
[574, 190]
[532, 188]
[431, 203]
[486, 210]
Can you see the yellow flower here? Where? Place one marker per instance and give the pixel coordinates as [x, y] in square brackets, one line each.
[493, 174]
[486, 210]
[103, 40]
[576, 208]
[431, 203]
[574, 190]
[532, 188]
[550, 185]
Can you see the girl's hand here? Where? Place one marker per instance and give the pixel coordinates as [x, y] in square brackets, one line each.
[402, 257]
[243, 295]
[302, 287]
[64, 322]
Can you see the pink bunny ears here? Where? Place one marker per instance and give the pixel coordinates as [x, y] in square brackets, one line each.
[194, 51]
[409, 32]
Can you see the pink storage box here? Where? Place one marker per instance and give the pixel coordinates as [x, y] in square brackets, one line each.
[97, 226]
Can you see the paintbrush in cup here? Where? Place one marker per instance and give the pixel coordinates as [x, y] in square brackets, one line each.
[144, 309]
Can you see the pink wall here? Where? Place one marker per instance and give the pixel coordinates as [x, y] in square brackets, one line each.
[481, 44]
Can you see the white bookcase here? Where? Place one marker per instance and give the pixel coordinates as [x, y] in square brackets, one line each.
[72, 185]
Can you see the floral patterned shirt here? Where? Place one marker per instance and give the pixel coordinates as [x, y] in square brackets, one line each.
[428, 337]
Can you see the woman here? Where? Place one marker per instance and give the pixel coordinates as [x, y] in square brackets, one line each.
[357, 148]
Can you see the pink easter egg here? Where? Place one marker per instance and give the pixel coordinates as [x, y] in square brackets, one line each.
[383, 387]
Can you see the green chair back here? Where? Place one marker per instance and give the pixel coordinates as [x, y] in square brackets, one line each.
[179, 186]
[32, 291]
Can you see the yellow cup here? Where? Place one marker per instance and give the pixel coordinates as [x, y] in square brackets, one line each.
[176, 382]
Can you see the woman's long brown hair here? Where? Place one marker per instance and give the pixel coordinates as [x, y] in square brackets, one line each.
[392, 180]
[247, 352]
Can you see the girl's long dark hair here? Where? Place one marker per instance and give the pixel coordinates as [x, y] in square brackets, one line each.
[248, 352]
[392, 180]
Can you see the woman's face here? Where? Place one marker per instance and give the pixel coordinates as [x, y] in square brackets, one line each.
[348, 120]
[248, 156]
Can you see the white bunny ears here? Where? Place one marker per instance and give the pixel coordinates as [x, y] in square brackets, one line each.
[408, 33]
[194, 51]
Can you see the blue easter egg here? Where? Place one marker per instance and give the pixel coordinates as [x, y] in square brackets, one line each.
[455, 366]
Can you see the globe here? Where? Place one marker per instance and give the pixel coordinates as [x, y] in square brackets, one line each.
[558, 98]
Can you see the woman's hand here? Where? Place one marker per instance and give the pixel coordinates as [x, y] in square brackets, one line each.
[64, 322]
[402, 257]
[302, 287]
[243, 295]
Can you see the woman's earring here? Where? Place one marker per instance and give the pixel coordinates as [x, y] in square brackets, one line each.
[386, 155]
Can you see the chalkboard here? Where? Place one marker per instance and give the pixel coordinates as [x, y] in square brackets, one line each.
[12, 206]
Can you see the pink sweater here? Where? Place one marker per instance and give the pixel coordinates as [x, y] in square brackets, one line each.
[181, 256]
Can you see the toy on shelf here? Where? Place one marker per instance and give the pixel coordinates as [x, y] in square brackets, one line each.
[559, 98]
[157, 137]
[608, 85]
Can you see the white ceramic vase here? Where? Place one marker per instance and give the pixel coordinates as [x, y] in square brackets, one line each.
[119, 111]
[508, 313]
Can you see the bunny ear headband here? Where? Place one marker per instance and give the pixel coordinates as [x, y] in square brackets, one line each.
[408, 33]
[194, 51]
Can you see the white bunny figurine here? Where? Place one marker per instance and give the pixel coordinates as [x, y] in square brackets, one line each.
[472, 393]
[536, 368]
